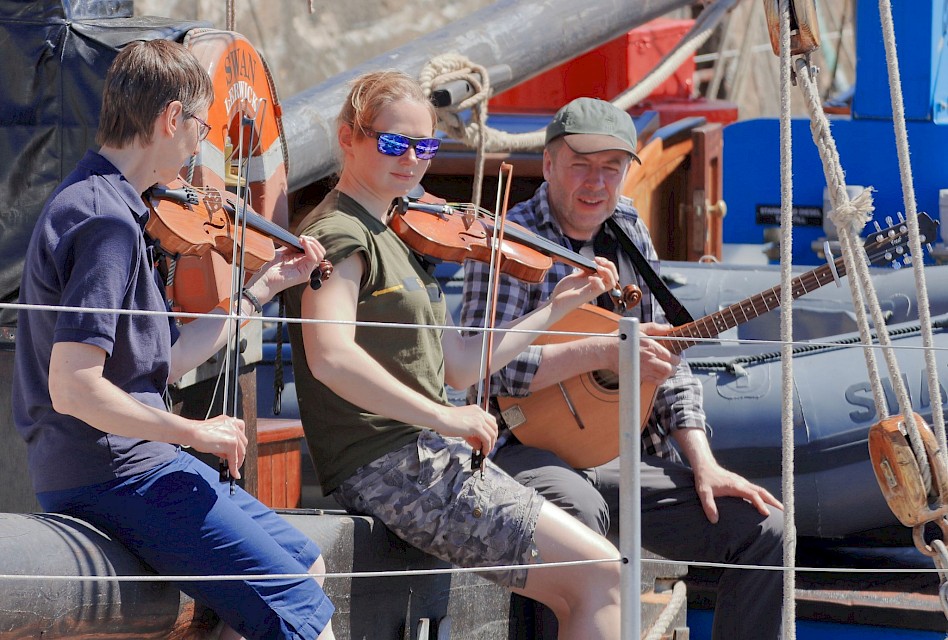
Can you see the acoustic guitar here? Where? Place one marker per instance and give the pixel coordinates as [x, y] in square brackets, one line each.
[578, 419]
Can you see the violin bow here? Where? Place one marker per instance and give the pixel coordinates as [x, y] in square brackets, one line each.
[483, 389]
[238, 273]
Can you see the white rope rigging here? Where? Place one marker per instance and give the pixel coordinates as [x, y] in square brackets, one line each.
[786, 330]
[22, 577]
[911, 217]
[850, 216]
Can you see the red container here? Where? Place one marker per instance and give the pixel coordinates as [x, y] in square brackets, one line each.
[606, 71]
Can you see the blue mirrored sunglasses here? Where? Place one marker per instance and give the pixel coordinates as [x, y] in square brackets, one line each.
[395, 144]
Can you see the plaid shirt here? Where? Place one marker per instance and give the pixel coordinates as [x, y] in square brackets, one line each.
[678, 402]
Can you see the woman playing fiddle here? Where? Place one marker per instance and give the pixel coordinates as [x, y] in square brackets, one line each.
[89, 385]
[384, 438]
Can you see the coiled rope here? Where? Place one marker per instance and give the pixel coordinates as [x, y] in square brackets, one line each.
[448, 68]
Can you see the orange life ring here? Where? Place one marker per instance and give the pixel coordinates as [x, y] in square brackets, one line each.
[246, 127]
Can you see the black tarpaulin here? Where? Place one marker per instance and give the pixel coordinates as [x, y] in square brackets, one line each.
[55, 56]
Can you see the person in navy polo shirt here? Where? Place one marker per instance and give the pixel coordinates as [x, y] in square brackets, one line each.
[88, 385]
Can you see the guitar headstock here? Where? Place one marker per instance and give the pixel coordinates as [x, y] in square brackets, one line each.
[890, 246]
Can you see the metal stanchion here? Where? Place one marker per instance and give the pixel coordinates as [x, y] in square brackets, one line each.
[630, 497]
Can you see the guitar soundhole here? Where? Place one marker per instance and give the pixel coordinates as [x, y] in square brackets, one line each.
[606, 379]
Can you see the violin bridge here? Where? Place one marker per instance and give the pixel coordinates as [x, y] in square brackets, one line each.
[213, 200]
[468, 217]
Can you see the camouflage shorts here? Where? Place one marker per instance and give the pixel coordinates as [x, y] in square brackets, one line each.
[427, 495]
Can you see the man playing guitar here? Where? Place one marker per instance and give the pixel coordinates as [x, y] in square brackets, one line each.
[700, 512]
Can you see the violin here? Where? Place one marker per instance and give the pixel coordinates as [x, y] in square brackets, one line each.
[455, 233]
[187, 220]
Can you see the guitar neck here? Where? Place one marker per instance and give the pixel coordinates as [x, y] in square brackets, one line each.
[746, 310]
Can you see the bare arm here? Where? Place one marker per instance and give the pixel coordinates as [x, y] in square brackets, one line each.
[565, 360]
[77, 388]
[337, 361]
[202, 338]
[462, 353]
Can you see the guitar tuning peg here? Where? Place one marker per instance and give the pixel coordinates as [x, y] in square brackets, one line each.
[901, 216]
[928, 246]
[888, 221]
[878, 226]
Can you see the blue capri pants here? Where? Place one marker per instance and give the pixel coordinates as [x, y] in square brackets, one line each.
[181, 520]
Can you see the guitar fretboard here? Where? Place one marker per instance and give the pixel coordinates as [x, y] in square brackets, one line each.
[746, 310]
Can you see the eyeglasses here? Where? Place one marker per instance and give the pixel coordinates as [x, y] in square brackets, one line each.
[396, 144]
[204, 128]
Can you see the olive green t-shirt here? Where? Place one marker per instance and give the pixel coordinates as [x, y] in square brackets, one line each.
[395, 289]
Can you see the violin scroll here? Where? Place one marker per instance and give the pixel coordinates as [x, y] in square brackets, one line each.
[631, 295]
[322, 271]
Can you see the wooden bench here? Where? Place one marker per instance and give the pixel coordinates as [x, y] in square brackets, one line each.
[279, 471]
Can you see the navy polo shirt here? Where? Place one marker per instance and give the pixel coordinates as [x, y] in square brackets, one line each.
[88, 250]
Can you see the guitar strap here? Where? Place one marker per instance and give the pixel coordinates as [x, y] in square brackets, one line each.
[674, 310]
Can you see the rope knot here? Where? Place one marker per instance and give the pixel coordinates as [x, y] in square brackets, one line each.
[852, 214]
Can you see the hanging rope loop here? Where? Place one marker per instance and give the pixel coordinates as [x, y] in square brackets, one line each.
[447, 68]
[451, 67]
